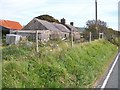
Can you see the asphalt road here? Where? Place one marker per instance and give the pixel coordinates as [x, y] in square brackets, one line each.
[114, 78]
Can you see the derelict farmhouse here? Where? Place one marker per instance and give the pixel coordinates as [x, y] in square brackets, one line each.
[46, 30]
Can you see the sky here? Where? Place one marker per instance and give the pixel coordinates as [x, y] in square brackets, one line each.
[77, 11]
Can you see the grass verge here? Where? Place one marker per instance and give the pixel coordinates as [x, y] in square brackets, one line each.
[61, 66]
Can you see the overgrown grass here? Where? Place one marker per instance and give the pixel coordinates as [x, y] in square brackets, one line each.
[61, 66]
[0, 75]
[0, 67]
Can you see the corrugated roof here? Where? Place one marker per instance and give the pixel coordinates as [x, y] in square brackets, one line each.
[10, 24]
[61, 27]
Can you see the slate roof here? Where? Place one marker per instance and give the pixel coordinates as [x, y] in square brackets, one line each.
[71, 27]
[61, 27]
[37, 24]
[48, 25]
[34, 25]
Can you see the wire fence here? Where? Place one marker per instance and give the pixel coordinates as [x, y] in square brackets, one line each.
[38, 37]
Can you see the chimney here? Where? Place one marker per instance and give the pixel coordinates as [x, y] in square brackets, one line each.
[72, 23]
[63, 21]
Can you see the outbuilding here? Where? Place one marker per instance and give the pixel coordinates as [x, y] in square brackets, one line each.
[8, 26]
[54, 30]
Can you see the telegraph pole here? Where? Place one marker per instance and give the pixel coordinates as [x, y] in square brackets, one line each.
[96, 10]
[96, 17]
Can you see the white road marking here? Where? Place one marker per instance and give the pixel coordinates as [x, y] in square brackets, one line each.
[110, 71]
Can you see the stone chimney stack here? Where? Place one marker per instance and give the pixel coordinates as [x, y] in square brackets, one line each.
[72, 23]
[63, 21]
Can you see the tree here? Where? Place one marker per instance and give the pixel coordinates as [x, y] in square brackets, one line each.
[96, 27]
[47, 18]
[113, 36]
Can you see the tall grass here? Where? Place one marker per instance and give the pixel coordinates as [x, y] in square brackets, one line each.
[0, 75]
[61, 66]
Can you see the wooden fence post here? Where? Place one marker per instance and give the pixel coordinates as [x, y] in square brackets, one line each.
[102, 35]
[99, 35]
[37, 41]
[90, 37]
[71, 37]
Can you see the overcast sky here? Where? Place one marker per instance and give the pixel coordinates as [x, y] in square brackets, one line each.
[77, 11]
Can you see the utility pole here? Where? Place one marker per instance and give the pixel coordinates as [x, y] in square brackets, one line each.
[96, 10]
[96, 17]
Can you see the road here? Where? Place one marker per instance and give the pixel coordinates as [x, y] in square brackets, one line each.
[112, 78]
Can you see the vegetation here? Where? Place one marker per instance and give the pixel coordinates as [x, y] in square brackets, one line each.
[56, 65]
[113, 36]
[48, 18]
[0, 67]
[100, 26]
[0, 75]
[95, 27]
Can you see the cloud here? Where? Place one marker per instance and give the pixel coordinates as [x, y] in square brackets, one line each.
[18, 10]
[78, 11]
[19, 4]
[16, 7]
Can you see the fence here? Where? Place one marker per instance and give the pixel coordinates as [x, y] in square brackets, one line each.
[46, 35]
[35, 35]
